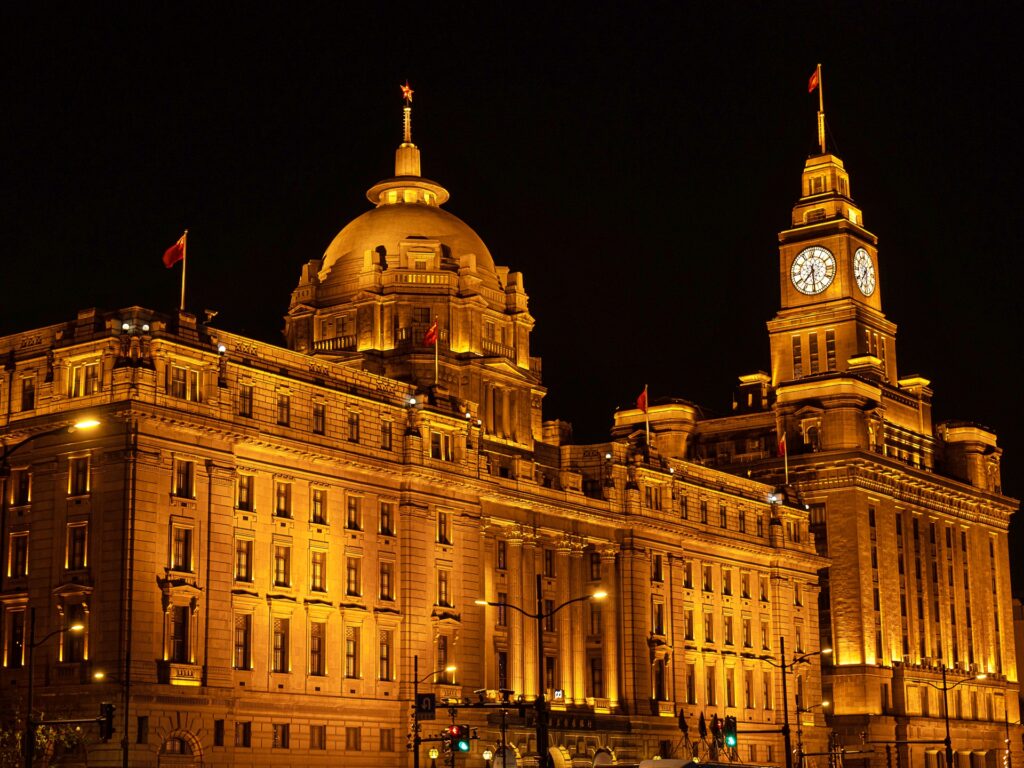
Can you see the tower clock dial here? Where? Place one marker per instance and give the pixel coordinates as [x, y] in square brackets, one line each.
[813, 270]
[864, 271]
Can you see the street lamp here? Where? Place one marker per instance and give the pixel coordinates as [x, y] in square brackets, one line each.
[787, 743]
[945, 707]
[30, 729]
[539, 617]
[800, 729]
[487, 755]
[416, 680]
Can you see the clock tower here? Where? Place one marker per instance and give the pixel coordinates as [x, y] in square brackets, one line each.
[831, 317]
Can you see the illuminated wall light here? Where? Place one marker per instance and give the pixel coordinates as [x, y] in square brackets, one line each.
[221, 349]
[125, 327]
[145, 327]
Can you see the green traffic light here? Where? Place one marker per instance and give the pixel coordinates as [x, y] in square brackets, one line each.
[730, 741]
[463, 745]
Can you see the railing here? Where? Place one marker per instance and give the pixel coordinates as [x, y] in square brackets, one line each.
[413, 335]
[337, 344]
[177, 673]
[496, 349]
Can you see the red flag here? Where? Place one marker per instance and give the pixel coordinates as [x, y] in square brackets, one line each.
[641, 401]
[813, 82]
[782, 445]
[430, 337]
[175, 253]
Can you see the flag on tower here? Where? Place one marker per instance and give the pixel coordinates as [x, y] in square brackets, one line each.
[813, 82]
[641, 401]
[430, 337]
[782, 445]
[175, 253]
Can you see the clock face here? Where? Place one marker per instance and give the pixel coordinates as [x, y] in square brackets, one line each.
[864, 271]
[813, 270]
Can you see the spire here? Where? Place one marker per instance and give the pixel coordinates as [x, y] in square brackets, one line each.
[407, 157]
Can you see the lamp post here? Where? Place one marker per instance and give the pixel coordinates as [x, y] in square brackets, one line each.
[30, 729]
[800, 730]
[948, 741]
[539, 617]
[416, 680]
[787, 743]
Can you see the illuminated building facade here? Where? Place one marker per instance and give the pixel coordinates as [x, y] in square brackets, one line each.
[261, 540]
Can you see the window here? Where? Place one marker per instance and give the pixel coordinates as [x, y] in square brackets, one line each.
[763, 581]
[21, 487]
[798, 358]
[747, 634]
[319, 418]
[74, 642]
[281, 736]
[318, 737]
[708, 581]
[656, 569]
[181, 549]
[748, 688]
[317, 638]
[179, 634]
[284, 409]
[282, 565]
[797, 595]
[318, 571]
[549, 619]
[386, 672]
[730, 687]
[76, 557]
[658, 618]
[385, 588]
[15, 639]
[385, 435]
[766, 689]
[709, 628]
[175, 745]
[711, 698]
[501, 559]
[245, 497]
[354, 739]
[595, 619]
[728, 623]
[727, 581]
[78, 476]
[765, 637]
[28, 393]
[142, 729]
[387, 518]
[354, 514]
[85, 379]
[691, 684]
[184, 383]
[283, 499]
[722, 516]
[353, 427]
[318, 506]
[830, 349]
[184, 476]
[353, 585]
[688, 574]
[745, 585]
[279, 663]
[502, 610]
[812, 348]
[442, 657]
[502, 668]
[743, 521]
[704, 511]
[443, 596]
[688, 624]
[243, 560]
[352, 652]
[245, 398]
[549, 563]
[441, 446]
[18, 564]
[596, 676]
[243, 641]
[444, 532]
[387, 739]
[243, 734]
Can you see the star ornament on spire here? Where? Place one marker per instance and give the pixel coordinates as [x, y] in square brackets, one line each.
[406, 92]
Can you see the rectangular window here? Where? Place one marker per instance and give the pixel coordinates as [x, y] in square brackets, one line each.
[352, 652]
[85, 379]
[745, 585]
[18, 564]
[688, 574]
[502, 665]
[243, 560]
[727, 581]
[386, 672]
[243, 641]
[353, 427]
[28, 393]
[318, 571]
[704, 511]
[658, 618]
[21, 487]
[142, 729]
[184, 478]
[387, 739]
[243, 734]
[15, 656]
[245, 495]
[181, 549]
[711, 690]
[318, 737]
[688, 624]
[549, 563]
[549, 619]
[691, 684]
[596, 676]
[77, 547]
[385, 435]
[441, 446]
[442, 656]
[743, 521]
[501, 558]
[283, 499]
[354, 739]
[387, 573]
[387, 518]
[798, 360]
[284, 409]
[317, 640]
[727, 624]
[656, 569]
[708, 581]
[245, 397]
[354, 513]
[723, 518]
[748, 639]
[502, 610]
[709, 628]
[282, 565]
[179, 634]
[279, 663]
[319, 418]
[748, 688]
[184, 383]
[763, 581]
[766, 689]
[812, 349]
[78, 476]
[443, 596]
[830, 350]
[318, 506]
[730, 687]
[74, 642]
[595, 566]
[282, 735]
[595, 619]
[353, 586]
[444, 533]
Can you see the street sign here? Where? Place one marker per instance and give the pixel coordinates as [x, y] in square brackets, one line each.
[426, 706]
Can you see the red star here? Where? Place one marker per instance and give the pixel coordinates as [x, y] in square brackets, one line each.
[406, 92]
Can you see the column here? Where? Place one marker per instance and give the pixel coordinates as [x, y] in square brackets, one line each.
[580, 620]
[490, 658]
[609, 626]
[528, 579]
[515, 619]
[565, 617]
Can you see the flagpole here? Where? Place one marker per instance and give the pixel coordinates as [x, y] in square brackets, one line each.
[437, 341]
[785, 459]
[647, 418]
[821, 111]
[184, 263]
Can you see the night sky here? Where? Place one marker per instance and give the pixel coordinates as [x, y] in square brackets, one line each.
[635, 163]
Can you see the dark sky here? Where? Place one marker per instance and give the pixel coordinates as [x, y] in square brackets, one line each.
[635, 163]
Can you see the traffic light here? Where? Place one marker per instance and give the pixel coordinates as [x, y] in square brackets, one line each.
[446, 738]
[729, 731]
[716, 729]
[461, 738]
[106, 721]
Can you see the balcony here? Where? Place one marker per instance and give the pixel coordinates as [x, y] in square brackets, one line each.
[177, 673]
[496, 349]
[663, 708]
[336, 344]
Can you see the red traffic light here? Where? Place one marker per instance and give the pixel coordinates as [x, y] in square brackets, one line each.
[455, 731]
